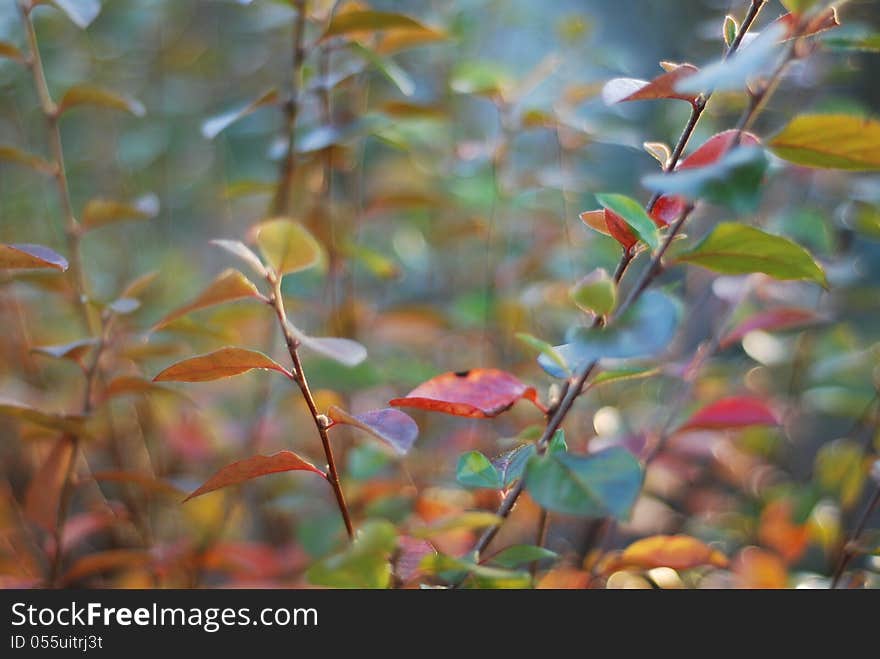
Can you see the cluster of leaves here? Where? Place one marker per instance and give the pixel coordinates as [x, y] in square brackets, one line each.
[702, 414]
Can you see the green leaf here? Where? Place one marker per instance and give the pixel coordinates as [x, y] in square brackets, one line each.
[737, 249]
[868, 43]
[633, 214]
[798, 6]
[388, 68]
[518, 555]
[475, 470]
[840, 470]
[624, 373]
[97, 96]
[596, 293]
[830, 141]
[543, 348]
[215, 125]
[733, 181]
[364, 564]
[557, 443]
[644, 330]
[734, 73]
[80, 12]
[602, 484]
[456, 569]
[287, 246]
[729, 29]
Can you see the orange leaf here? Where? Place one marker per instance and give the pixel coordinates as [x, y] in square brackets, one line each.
[229, 285]
[26, 256]
[774, 319]
[259, 465]
[611, 224]
[757, 568]
[44, 492]
[621, 90]
[105, 561]
[778, 531]
[478, 393]
[222, 363]
[679, 552]
[733, 412]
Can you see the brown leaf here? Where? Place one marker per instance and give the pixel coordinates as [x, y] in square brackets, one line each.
[774, 319]
[44, 491]
[74, 351]
[620, 90]
[228, 286]
[70, 423]
[100, 212]
[222, 363]
[13, 154]
[106, 561]
[479, 393]
[146, 482]
[259, 465]
[97, 96]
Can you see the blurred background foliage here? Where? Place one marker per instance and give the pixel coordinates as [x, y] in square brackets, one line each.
[445, 182]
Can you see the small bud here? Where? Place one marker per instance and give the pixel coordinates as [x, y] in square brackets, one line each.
[323, 421]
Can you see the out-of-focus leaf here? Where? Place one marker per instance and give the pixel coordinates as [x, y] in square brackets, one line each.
[212, 127]
[457, 569]
[774, 319]
[74, 424]
[624, 373]
[737, 249]
[475, 470]
[388, 68]
[620, 90]
[229, 285]
[596, 293]
[19, 157]
[106, 561]
[825, 20]
[758, 568]
[733, 74]
[244, 253]
[44, 491]
[222, 363]
[830, 141]
[99, 212]
[733, 412]
[130, 384]
[74, 351]
[866, 44]
[733, 181]
[601, 484]
[474, 77]
[631, 212]
[644, 330]
[479, 392]
[465, 521]
[286, 245]
[364, 22]
[679, 552]
[391, 427]
[145, 482]
[258, 465]
[25, 256]
[543, 348]
[97, 96]
[9, 51]
[363, 564]
[80, 12]
[841, 470]
[519, 555]
[798, 6]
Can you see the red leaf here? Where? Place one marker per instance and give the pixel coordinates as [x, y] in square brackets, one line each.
[621, 90]
[611, 224]
[733, 412]
[259, 465]
[774, 319]
[392, 427]
[478, 393]
[668, 208]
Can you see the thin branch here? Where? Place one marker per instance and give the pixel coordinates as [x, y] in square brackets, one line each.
[299, 377]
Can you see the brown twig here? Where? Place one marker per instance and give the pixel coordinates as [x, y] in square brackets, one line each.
[299, 377]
